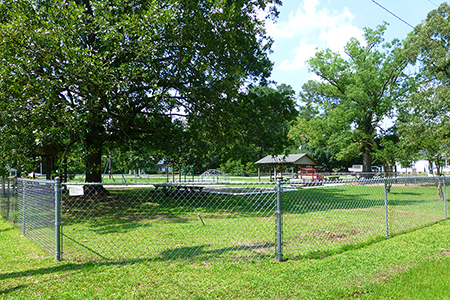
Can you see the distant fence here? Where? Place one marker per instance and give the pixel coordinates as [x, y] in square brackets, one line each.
[230, 177]
[211, 221]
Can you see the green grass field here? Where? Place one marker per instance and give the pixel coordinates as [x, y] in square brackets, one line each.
[414, 265]
[142, 224]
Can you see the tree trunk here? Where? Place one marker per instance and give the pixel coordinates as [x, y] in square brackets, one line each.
[440, 189]
[367, 164]
[50, 167]
[93, 165]
[94, 172]
[94, 147]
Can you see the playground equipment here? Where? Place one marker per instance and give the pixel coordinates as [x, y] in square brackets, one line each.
[311, 174]
[214, 175]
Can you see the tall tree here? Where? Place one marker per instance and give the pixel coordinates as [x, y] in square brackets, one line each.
[356, 93]
[425, 127]
[103, 72]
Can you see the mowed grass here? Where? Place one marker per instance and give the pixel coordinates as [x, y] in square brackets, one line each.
[414, 265]
[143, 224]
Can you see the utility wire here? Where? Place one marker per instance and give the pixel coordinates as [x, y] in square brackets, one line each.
[433, 3]
[392, 14]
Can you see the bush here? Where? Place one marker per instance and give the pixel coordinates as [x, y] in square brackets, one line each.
[232, 167]
[250, 167]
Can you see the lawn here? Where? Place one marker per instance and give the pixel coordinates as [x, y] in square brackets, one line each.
[140, 223]
[414, 265]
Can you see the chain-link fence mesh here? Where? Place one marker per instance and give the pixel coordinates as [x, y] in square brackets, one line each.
[229, 221]
[321, 217]
[414, 202]
[8, 200]
[29, 205]
[168, 221]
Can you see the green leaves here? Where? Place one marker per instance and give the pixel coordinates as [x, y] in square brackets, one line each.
[356, 93]
[425, 122]
[95, 72]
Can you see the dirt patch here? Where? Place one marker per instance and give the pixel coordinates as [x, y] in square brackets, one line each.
[389, 273]
[259, 247]
[326, 235]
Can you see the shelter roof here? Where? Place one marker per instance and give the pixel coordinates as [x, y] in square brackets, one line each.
[291, 159]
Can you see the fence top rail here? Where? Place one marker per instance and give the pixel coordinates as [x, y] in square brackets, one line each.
[284, 181]
[167, 184]
[37, 180]
[196, 183]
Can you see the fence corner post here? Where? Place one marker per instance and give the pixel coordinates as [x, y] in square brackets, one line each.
[278, 214]
[58, 218]
[386, 216]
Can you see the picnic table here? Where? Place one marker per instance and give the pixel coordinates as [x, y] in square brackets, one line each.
[179, 188]
[332, 178]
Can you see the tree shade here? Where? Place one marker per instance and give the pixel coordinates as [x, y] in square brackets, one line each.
[101, 73]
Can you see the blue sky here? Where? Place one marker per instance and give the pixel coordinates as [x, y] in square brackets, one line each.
[305, 25]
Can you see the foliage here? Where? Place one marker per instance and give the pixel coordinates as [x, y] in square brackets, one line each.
[251, 167]
[425, 118]
[232, 166]
[100, 74]
[255, 124]
[424, 126]
[429, 44]
[355, 95]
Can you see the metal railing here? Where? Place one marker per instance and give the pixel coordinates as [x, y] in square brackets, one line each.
[211, 221]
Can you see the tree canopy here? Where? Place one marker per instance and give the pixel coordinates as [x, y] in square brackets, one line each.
[425, 120]
[96, 73]
[355, 94]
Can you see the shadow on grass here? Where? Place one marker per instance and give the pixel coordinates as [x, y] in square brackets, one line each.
[198, 251]
[125, 210]
[183, 253]
[131, 206]
[63, 268]
[6, 229]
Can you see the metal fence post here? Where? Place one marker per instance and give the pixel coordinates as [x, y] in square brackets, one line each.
[24, 215]
[278, 214]
[58, 218]
[386, 206]
[7, 202]
[445, 199]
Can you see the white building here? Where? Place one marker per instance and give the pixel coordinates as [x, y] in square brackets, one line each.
[422, 166]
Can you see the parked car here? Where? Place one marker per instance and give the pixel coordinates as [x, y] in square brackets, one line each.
[376, 169]
[356, 169]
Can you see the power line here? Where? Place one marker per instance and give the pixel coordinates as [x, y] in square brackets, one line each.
[393, 14]
[433, 3]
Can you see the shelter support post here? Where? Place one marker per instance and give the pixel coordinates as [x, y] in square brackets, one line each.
[259, 174]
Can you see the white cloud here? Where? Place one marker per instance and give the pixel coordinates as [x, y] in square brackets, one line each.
[302, 54]
[307, 17]
[317, 27]
[336, 38]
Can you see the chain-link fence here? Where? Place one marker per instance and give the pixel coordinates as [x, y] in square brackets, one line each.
[210, 221]
[29, 205]
[169, 221]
